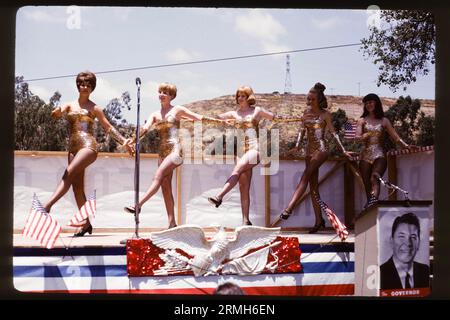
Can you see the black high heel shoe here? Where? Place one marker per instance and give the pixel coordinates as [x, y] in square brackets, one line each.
[285, 215]
[248, 223]
[83, 231]
[215, 201]
[317, 227]
[130, 209]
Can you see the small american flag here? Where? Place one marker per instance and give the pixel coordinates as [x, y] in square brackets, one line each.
[350, 129]
[340, 228]
[88, 209]
[41, 226]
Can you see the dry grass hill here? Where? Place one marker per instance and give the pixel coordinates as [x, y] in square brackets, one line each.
[292, 105]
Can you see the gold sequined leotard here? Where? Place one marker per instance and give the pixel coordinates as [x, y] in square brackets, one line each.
[81, 130]
[168, 133]
[250, 132]
[315, 134]
[373, 146]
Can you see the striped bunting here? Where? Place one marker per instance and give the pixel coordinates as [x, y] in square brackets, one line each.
[340, 228]
[41, 226]
[328, 271]
[87, 210]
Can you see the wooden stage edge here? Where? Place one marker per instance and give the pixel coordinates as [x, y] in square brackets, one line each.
[102, 238]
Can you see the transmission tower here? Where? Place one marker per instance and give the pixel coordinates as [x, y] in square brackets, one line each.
[287, 82]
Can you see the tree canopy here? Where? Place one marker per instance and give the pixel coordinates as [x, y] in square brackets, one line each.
[403, 46]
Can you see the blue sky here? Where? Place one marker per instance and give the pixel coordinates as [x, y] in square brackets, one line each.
[111, 38]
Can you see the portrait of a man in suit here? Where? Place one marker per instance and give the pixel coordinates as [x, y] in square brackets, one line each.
[400, 271]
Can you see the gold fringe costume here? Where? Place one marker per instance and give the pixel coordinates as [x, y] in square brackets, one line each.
[373, 146]
[81, 125]
[315, 135]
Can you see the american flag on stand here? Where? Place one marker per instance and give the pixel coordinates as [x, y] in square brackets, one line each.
[350, 129]
[41, 226]
[88, 209]
[340, 228]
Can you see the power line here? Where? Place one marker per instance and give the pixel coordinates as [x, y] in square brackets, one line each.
[201, 61]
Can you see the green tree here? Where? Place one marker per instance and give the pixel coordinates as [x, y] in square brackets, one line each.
[113, 113]
[403, 46]
[35, 129]
[427, 126]
[404, 116]
[339, 118]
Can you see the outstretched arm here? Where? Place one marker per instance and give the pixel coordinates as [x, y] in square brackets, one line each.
[143, 129]
[299, 144]
[110, 130]
[359, 135]
[265, 114]
[394, 135]
[227, 115]
[60, 111]
[188, 114]
[330, 128]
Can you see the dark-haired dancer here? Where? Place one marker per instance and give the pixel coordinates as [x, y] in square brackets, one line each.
[371, 131]
[80, 115]
[316, 120]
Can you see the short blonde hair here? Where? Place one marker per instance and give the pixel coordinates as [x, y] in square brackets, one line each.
[248, 91]
[170, 88]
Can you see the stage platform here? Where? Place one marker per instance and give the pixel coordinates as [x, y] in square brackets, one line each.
[97, 264]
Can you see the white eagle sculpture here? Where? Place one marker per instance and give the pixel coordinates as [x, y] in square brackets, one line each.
[209, 256]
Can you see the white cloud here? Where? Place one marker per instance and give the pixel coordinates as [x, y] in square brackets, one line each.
[326, 24]
[40, 16]
[263, 27]
[260, 25]
[274, 47]
[182, 55]
[105, 91]
[42, 92]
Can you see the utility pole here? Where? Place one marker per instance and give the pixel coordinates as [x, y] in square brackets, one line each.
[287, 81]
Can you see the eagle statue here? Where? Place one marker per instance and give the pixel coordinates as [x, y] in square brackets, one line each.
[220, 254]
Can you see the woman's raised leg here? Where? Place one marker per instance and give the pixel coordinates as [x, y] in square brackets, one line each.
[245, 180]
[80, 161]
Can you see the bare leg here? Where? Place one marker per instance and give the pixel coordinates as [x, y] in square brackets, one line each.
[378, 169]
[242, 165]
[78, 189]
[166, 167]
[80, 196]
[311, 167]
[166, 187]
[81, 161]
[366, 170]
[244, 188]
[314, 188]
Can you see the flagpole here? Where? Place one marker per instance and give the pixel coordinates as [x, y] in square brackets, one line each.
[136, 164]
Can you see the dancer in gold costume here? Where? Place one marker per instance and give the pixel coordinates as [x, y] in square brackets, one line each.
[80, 115]
[167, 122]
[371, 130]
[316, 121]
[246, 118]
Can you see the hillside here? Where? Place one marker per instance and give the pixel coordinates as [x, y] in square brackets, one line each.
[292, 105]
